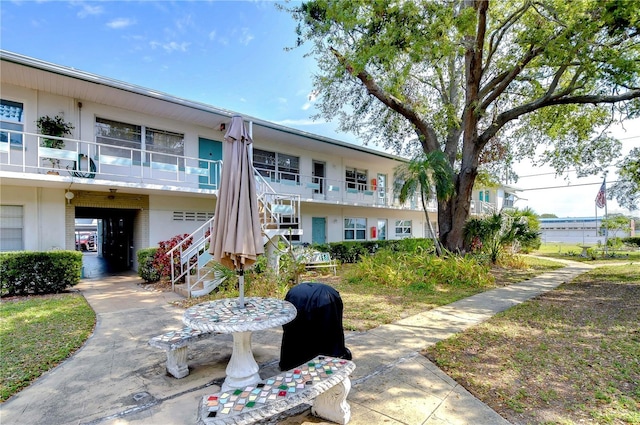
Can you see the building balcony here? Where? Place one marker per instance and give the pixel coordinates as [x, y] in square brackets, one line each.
[91, 163]
[325, 190]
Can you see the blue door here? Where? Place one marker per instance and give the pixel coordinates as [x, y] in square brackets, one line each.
[318, 230]
[211, 150]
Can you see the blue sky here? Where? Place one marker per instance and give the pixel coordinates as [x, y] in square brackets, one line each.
[229, 54]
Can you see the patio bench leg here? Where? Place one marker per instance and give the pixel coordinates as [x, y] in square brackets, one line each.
[177, 362]
[332, 404]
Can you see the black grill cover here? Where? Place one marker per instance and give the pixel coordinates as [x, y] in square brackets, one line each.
[317, 329]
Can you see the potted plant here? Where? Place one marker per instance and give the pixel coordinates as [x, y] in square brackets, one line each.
[53, 127]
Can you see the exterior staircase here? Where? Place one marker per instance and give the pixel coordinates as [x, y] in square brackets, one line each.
[193, 271]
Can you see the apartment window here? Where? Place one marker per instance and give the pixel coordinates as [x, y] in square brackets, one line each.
[277, 166]
[355, 229]
[509, 200]
[403, 228]
[288, 167]
[355, 179]
[124, 136]
[164, 142]
[127, 140]
[11, 225]
[11, 119]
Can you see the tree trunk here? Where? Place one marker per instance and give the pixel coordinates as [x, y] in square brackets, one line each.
[453, 213]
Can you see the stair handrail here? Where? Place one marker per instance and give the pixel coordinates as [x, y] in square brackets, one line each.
[267, 197]
[185, 255]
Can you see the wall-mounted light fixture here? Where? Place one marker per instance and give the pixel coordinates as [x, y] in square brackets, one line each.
[223, 127]
[69, 195]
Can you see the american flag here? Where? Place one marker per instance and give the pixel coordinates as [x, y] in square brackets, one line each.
[601, 197]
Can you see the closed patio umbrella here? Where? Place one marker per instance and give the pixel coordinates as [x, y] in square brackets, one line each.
[236, 238]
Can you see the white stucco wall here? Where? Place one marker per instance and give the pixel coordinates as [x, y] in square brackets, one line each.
[43, 215]
[335, 216]
[162, 226]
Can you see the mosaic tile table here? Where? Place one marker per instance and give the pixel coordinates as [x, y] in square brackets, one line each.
[225, 316]
[323, 381]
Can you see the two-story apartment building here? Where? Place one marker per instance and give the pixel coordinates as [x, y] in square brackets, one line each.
[488, 200]
[146, 165]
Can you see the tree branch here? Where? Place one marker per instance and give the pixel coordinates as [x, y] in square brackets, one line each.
[495, 42]
[556, 78]
[510, 76]
[516, 112]
[430, 142]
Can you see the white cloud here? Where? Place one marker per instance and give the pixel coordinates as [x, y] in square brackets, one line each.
[121, 23]
[311, 98]
[293, 123]
[171, 46]
[281, 99]
[90, 10]
[184, 23]
[213, 36]
[246, 36]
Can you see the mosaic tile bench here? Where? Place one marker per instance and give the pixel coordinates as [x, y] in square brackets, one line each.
[324, 381]
[175, 343]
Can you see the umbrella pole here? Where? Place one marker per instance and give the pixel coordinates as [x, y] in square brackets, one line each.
[241, 286]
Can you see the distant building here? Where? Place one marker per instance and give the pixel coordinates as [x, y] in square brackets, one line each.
[577, 230]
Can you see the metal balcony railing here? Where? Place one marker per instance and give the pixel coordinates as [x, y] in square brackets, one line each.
[340, 191]
[190, 258]
[92, 160]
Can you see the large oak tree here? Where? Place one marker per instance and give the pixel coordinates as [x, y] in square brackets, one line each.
[487, 83]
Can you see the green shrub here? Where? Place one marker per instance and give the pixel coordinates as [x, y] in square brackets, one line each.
[352, 251]
[29, 272]
[614, 242]
[418, 271]
[411, 245]
[633, 241]
[146, 269]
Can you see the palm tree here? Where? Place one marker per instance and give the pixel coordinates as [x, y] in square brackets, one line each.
[422, 174]
[500, 230]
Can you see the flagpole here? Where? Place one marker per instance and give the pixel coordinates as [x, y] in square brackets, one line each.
[597, 224]
[606, 231]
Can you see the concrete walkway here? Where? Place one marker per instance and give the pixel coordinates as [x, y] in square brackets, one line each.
[116, 378]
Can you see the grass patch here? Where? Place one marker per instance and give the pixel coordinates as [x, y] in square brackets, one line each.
[38, 333]
[374, 296]
[568, 356]
[596, 254]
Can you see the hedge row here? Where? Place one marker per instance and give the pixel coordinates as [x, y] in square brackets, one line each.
[634, 240]
[350, 252]
[29, 272]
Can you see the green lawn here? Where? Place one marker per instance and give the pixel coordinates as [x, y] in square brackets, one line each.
[37, 333]
[568, 356]
[596, 254]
